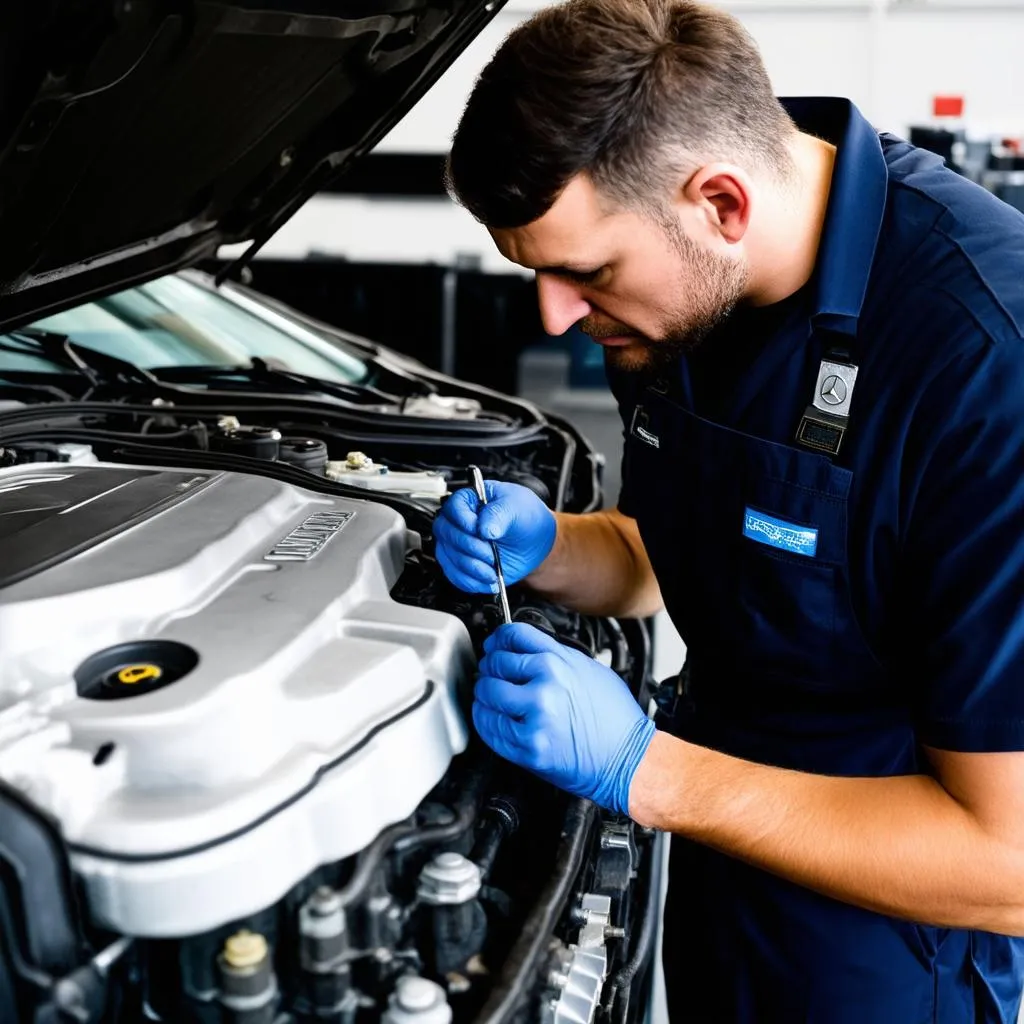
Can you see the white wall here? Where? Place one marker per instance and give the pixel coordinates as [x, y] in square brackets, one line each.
[889, 56]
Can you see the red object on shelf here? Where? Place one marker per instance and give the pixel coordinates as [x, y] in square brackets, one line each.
[948, 106]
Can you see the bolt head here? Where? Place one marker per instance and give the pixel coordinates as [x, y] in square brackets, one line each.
[324, 902]
[417, 994]
[245, 949]
[449, 879]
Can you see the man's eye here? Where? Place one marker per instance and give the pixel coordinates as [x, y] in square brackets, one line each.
[587, 277]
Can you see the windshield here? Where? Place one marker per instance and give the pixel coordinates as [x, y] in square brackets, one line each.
[177, 322]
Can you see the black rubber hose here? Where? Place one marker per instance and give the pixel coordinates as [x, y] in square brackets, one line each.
[86, 435]
[214, 404]
[466, 808]
[623, 978]
[638, 637]
[370, 859]
[565, 473]
[621, 652]
[501, 819]
[407, 835]
[12, 944]
[524, 960]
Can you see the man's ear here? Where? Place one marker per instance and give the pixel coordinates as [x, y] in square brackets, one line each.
[722, 194]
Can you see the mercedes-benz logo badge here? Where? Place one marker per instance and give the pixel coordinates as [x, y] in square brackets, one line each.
[833, 389]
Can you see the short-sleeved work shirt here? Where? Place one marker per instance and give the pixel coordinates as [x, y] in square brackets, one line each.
[923, 272]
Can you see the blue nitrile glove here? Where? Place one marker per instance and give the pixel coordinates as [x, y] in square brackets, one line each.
[514, 517]
[560, 714]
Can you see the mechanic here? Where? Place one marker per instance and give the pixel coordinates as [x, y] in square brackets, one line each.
[815, 334]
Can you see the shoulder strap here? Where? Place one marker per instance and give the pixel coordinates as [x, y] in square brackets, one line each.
[825, 421]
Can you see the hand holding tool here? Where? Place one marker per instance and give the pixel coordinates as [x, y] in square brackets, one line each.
[560, 714]
[471, 521]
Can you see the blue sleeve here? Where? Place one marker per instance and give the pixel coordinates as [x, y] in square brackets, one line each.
[963, 565]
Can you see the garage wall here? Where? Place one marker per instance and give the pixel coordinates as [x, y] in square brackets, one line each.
[889, 56]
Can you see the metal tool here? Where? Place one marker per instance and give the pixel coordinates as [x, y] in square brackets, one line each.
[481, 493]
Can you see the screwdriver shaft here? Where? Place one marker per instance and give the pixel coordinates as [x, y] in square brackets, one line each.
[481, 493]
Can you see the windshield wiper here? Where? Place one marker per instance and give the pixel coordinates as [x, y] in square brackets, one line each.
[279, 380]
[98, 368]
[14, 390]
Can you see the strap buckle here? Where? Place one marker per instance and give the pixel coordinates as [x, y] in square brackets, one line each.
[825, 421]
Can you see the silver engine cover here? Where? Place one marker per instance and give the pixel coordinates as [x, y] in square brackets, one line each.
[320, 710]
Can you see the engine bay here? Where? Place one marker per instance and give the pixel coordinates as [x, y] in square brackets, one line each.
[244, 787]
[238, 779]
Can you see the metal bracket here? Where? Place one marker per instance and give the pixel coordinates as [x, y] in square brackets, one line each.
[824, 422]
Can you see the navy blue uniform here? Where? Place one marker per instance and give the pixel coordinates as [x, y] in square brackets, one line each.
[843, 610]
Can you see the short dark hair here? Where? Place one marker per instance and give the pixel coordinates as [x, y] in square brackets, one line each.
[633, 92]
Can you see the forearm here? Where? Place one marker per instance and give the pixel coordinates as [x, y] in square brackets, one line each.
[598, 566]
[899, 846]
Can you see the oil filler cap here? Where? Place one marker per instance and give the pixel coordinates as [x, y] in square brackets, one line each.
[132, 669]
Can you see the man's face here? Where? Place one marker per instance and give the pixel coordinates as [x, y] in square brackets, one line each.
[644, 290]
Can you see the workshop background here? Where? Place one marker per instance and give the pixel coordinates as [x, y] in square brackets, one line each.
[948, 74]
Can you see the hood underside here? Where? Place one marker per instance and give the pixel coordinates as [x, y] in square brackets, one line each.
[137, 136]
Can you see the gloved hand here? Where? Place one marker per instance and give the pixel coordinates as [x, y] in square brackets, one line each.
[560, 714]
[521, 524]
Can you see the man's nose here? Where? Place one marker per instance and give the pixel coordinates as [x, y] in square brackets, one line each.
[561, 303]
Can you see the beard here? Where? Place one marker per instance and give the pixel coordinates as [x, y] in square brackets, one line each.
[713, 286]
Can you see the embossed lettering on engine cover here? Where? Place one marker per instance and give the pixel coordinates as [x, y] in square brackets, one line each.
[309, 539]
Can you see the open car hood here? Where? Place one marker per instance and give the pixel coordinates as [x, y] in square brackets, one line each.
[137, 136]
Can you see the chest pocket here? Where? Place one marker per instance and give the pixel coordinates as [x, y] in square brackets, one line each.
[748, 539]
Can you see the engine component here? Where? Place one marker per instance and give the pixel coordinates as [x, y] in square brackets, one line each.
[631, 980]
[449, 880]
[287, 746]
[358, 470]
[442, 407]
[324, 952]
[501, 819]
[41, 451]
[254, 442]
[617, 866]
[305, 452]
[33, 873]
[450, 885]
[133, 669]
[584, 966]
[531, 948]
[250, 748]
[417, 1001]
[323, 930]
[580, 976]
[249, 991]
[81, 996]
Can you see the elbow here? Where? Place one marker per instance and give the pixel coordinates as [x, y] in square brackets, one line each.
[648, 602]
[1000, 893]
[646, 593]
[996, 904]
[1007, 915]
[1007, 919]
[1015, 928]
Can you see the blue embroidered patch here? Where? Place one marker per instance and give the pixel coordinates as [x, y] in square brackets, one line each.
[777, 533]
